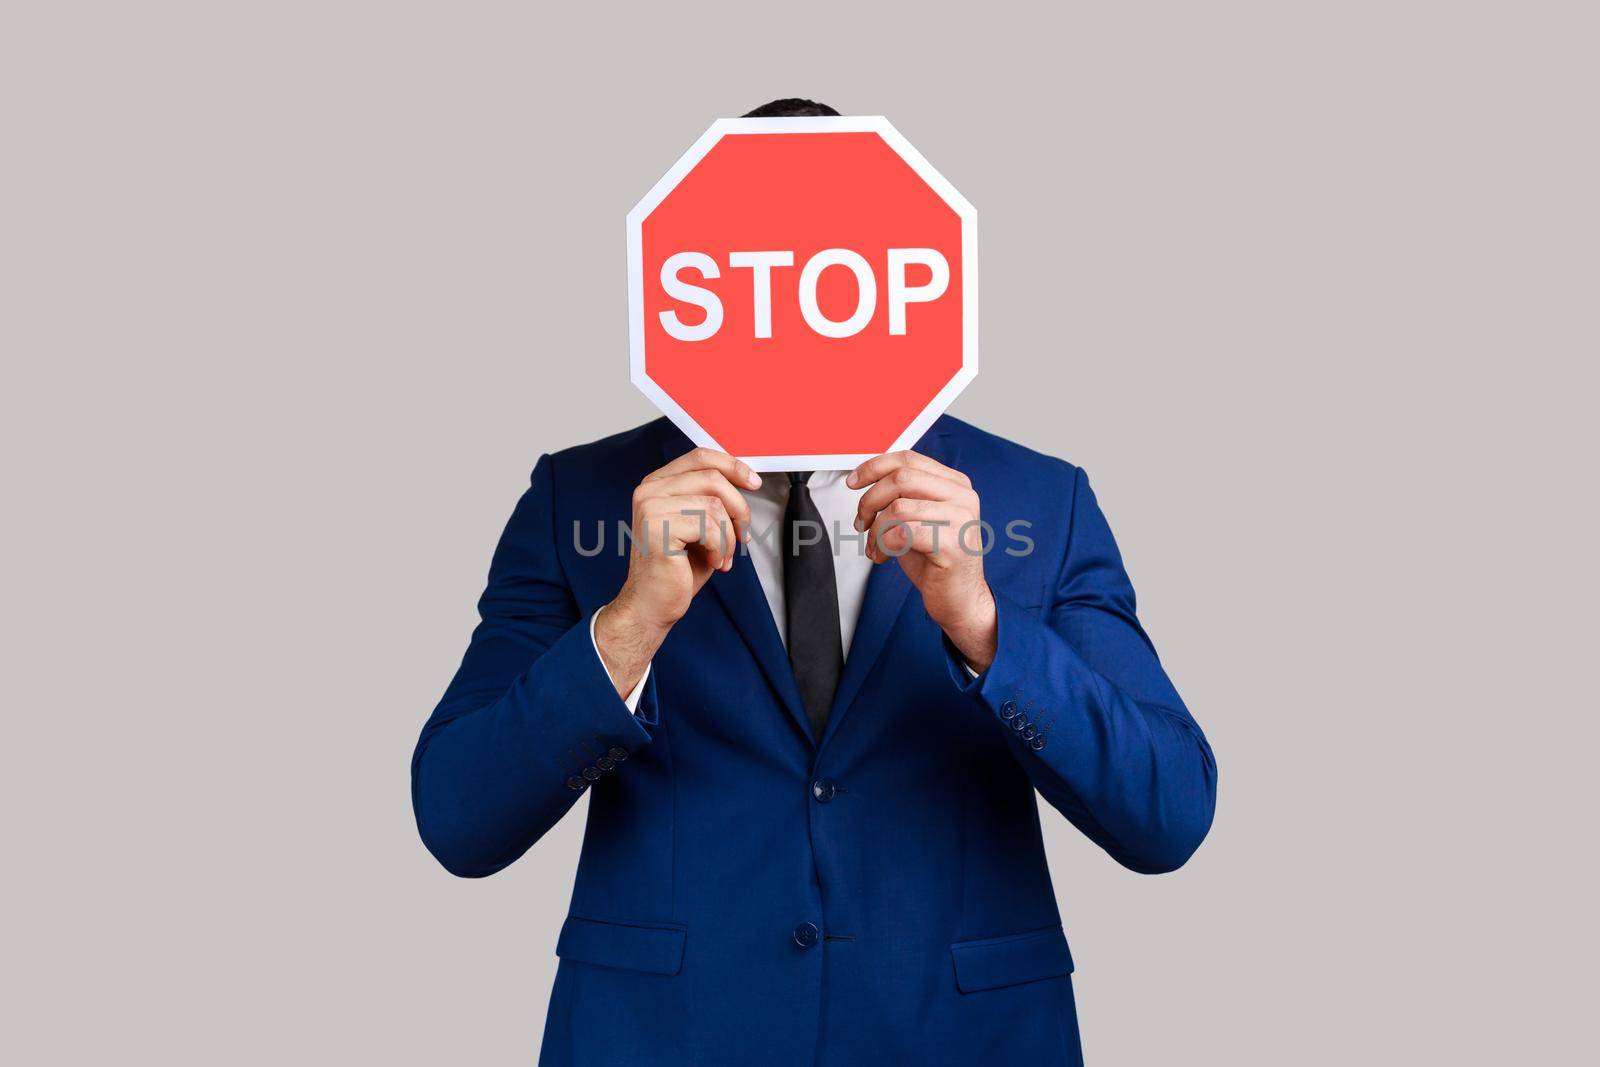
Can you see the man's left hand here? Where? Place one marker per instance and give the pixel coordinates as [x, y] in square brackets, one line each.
[927, 515]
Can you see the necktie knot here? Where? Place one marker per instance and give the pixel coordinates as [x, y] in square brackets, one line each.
[799, 478]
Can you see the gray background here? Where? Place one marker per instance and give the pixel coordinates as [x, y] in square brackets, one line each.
[1309, 289]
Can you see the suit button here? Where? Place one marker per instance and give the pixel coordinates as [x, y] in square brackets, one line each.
[618, 754]
[592, 773]
[605, 763]
[805, 935]
[823, 790]
[575, 782]
[1020, 723]
[1008, 709]
[1037, 743]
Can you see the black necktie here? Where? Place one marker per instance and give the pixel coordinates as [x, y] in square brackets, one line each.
[811, 601]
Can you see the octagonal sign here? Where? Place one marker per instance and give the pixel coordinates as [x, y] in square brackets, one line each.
[803, 292]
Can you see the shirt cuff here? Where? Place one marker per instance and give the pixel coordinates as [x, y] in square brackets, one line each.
[632, 699]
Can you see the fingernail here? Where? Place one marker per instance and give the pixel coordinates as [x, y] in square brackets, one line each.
[850, 479]
[861, 527]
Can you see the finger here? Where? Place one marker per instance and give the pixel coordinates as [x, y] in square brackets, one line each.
[701, 483]
[735, 470]
[909, 482]
[720, 530]
[709, 527]
[939, 530]
[699, 534]
[933, 540]
[878, 466]
[700, 521]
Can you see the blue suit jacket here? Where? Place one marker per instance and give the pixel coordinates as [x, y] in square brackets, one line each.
[749, 895]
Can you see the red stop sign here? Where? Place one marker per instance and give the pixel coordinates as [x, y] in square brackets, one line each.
[803, 292]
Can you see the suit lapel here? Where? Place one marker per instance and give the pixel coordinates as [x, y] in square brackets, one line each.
[741, 594]
[887, 589]
[745, 602]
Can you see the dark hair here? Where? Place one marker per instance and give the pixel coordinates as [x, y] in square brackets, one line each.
[790, 107]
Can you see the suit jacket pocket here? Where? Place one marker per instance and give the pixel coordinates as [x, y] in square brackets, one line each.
[1003, 961]
[652, 948]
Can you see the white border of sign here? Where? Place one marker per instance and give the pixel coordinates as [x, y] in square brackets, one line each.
[820, 124]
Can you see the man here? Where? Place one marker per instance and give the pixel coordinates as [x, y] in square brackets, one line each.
[812, 833]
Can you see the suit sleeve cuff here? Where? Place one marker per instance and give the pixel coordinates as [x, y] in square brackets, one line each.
[1015, 689]
[965, 678]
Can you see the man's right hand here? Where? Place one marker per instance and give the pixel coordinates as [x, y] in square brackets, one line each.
[688, 520]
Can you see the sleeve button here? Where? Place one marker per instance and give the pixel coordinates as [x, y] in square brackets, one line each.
[575, 782]
[1008, 709]
[1037, 743]
[591, 773]
[619, 754]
